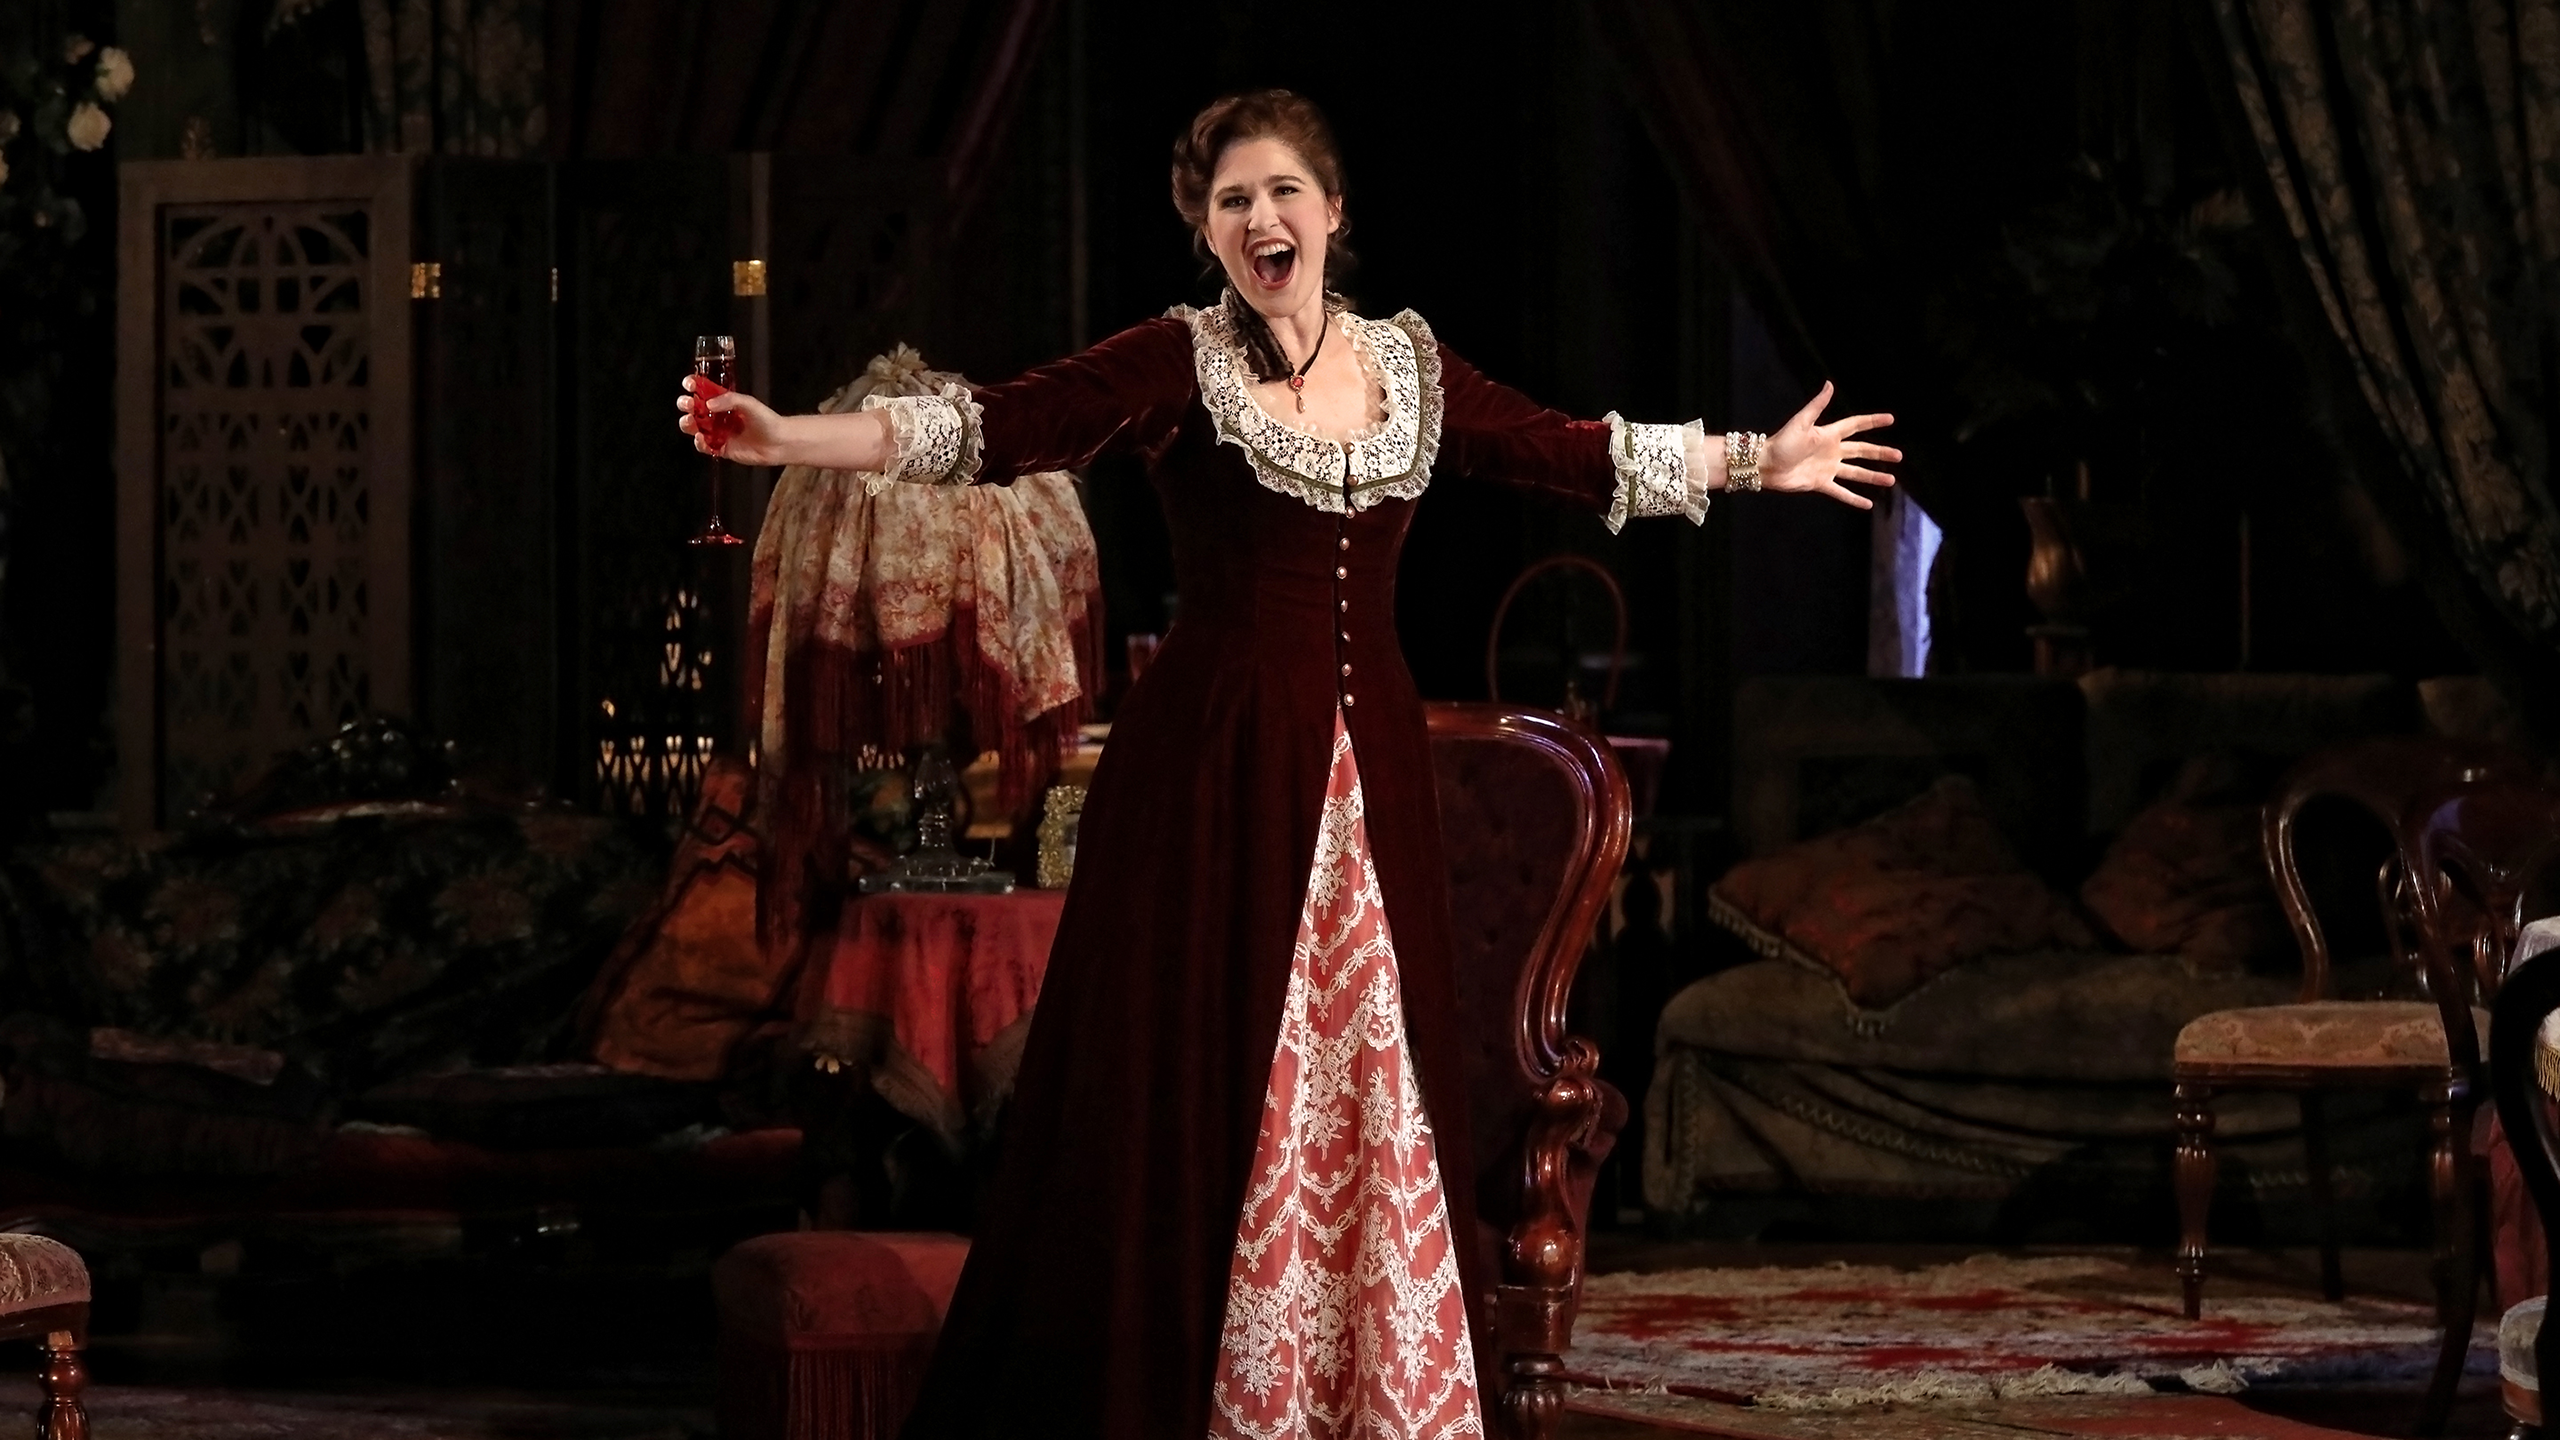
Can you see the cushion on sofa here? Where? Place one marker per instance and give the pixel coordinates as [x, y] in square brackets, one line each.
[2186, 875]
[689, 982]
[1887, 904]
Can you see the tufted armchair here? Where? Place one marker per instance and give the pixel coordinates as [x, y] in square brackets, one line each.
[1535, 815]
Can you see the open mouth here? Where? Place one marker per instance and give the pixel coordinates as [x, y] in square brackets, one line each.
[1274, 267]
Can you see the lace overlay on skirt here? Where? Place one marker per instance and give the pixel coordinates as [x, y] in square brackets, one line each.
[1344, 1314]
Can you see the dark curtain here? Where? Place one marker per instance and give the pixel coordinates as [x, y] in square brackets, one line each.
[577, 79]
[1770, 115]
[454, 77]
[2413, 148]
[893, 79]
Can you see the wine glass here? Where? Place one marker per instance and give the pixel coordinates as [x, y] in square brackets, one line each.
[715, 373]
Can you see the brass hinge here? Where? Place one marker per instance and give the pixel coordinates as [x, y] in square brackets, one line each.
[426, 280]
[746, 277]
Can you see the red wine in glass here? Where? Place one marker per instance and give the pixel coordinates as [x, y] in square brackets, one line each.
[715, 372]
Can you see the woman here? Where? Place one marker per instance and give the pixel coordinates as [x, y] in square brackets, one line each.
[1234, 1197]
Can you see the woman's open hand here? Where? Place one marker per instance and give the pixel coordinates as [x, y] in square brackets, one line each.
[755, 437]
[1808, 455]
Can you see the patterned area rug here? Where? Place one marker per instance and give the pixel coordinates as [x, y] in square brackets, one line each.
[1992, 1328]
[2164, 1417]
[135, 1412]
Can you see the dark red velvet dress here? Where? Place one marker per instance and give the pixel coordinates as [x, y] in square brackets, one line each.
[1093, 1299]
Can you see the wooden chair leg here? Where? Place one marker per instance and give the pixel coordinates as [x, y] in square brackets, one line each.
[1535, 1323]
[63, 1378]
[1534, 1399]
[2457, 1267]
[2195, 1187]
[2315, 1156]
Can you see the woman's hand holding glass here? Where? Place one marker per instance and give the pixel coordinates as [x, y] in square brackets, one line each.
[756, 434]
[745, 429]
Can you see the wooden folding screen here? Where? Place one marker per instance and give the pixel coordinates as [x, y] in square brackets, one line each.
[263, 454]
[394, 436]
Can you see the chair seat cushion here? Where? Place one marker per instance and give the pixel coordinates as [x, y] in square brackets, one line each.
[837, 1289]
[2341, 1034]
[36, 1273]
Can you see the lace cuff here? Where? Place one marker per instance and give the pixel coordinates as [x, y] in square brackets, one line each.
[935, 436]
[1662, 470]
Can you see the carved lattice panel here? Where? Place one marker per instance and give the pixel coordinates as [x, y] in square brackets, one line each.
[266, 508]
[263, 459]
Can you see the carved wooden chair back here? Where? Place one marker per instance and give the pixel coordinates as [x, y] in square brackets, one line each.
[1535, 817]
[2401, 781]
[2480, 854]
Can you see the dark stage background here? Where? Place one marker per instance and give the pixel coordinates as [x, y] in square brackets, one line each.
[2058, 275]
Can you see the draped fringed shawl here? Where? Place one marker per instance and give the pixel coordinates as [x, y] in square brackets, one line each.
[916, 613]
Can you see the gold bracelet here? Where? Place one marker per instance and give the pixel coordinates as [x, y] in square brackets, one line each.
[1742, 459]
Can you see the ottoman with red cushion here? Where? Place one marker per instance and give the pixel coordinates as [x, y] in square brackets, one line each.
[824, 1334]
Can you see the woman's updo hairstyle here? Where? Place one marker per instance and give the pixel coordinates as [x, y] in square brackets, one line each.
[1294, 121]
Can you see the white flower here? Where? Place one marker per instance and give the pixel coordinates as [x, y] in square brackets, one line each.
[115, 74]
[76, 48]
[88, 126]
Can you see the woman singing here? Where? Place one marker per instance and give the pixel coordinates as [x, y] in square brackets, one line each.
[1233, 1197]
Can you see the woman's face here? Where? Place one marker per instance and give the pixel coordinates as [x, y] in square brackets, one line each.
[1268, 223]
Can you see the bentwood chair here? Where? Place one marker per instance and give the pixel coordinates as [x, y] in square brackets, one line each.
[2469, 827]
[1535, 816]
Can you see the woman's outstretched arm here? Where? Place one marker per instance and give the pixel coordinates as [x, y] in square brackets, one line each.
[1125, 392]
[846, 440]
[1622, 469]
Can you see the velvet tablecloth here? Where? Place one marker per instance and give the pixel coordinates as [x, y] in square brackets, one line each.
[930, 996]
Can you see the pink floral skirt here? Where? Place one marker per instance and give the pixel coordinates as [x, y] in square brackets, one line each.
[1344, 1314]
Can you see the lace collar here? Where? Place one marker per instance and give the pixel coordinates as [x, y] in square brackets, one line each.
[1390, 460]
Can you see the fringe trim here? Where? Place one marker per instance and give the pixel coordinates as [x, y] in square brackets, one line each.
[846, 699]
[769, 1393]
[1941, 1386]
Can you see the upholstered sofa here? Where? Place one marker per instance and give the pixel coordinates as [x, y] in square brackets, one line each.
[367, 1006]
[2009, 1095]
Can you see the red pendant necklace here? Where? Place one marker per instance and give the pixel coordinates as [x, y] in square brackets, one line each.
[1298, 378]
